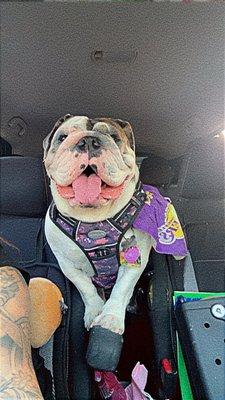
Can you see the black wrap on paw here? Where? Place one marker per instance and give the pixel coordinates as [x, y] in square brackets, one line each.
[104, 349]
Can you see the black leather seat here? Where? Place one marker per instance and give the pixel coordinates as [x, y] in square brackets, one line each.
[156, 171]
[5, 148]
[24, 202]
[24, 199]
[200, 201]
[199, 198]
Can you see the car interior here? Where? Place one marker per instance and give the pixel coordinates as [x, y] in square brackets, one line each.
[160, 66]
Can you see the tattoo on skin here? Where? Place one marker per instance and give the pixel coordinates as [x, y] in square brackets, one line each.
[19, 387]
[17, 376]
[7, 292]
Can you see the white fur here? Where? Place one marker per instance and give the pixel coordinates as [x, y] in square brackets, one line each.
[78, 270]
[72, 260]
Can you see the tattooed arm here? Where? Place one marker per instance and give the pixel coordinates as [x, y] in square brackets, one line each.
[17, 376]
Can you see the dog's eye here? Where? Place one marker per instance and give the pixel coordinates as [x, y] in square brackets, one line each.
[61, 138]
[116, 138]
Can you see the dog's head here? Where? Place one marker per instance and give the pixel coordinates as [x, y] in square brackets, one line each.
[90, 162]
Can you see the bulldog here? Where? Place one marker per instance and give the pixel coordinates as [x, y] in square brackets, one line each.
[102, 223]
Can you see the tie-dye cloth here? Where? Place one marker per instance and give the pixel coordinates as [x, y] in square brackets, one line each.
[158, 218]
[147, 211]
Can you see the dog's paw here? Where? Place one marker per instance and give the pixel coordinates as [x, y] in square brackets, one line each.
[92, 311]
[110, 321]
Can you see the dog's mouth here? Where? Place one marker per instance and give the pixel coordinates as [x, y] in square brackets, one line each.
[89, 189]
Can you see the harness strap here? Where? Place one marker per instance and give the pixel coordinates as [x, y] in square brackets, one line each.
[100, 241]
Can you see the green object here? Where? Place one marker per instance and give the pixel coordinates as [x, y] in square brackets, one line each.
[186, 391]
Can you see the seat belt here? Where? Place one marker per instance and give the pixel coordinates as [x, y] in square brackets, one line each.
[190, 281]
[160, 306]
[169, 275]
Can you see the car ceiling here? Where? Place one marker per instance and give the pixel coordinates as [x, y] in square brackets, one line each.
[158, 65]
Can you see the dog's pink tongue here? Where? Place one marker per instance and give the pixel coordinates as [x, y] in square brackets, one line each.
[87, 188]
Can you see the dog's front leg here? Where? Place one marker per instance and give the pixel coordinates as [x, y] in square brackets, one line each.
[114, 310]
[113, 313]
[92, 301]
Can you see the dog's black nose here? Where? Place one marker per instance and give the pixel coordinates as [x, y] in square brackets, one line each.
[89, 143]
[94, 167]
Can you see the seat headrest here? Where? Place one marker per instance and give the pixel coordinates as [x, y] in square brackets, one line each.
[155, 171]
[5, 148]
[24, 189]
[204, 175]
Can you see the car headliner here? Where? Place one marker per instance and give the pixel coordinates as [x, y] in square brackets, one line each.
[158, 65]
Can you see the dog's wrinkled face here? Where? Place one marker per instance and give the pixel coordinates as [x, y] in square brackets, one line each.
[90, 161]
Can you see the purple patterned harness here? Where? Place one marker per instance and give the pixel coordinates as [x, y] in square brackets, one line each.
[100, 240]
[147, 211]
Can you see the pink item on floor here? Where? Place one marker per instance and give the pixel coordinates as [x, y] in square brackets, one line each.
[109, 386]
[135, 391]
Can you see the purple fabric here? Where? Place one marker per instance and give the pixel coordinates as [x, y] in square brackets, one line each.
[158, 218]
[87, 242]
[99, 240]
[66, 227]
[106, 268]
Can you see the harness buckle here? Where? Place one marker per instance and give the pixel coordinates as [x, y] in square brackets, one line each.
[103, 252]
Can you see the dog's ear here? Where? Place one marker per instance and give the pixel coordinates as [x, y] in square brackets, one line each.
[48, 139]
[126, 126]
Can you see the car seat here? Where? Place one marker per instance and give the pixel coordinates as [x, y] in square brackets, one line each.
[156, 171]
[199, 198]
[5, 148]
[24, 200]
[200, 201]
